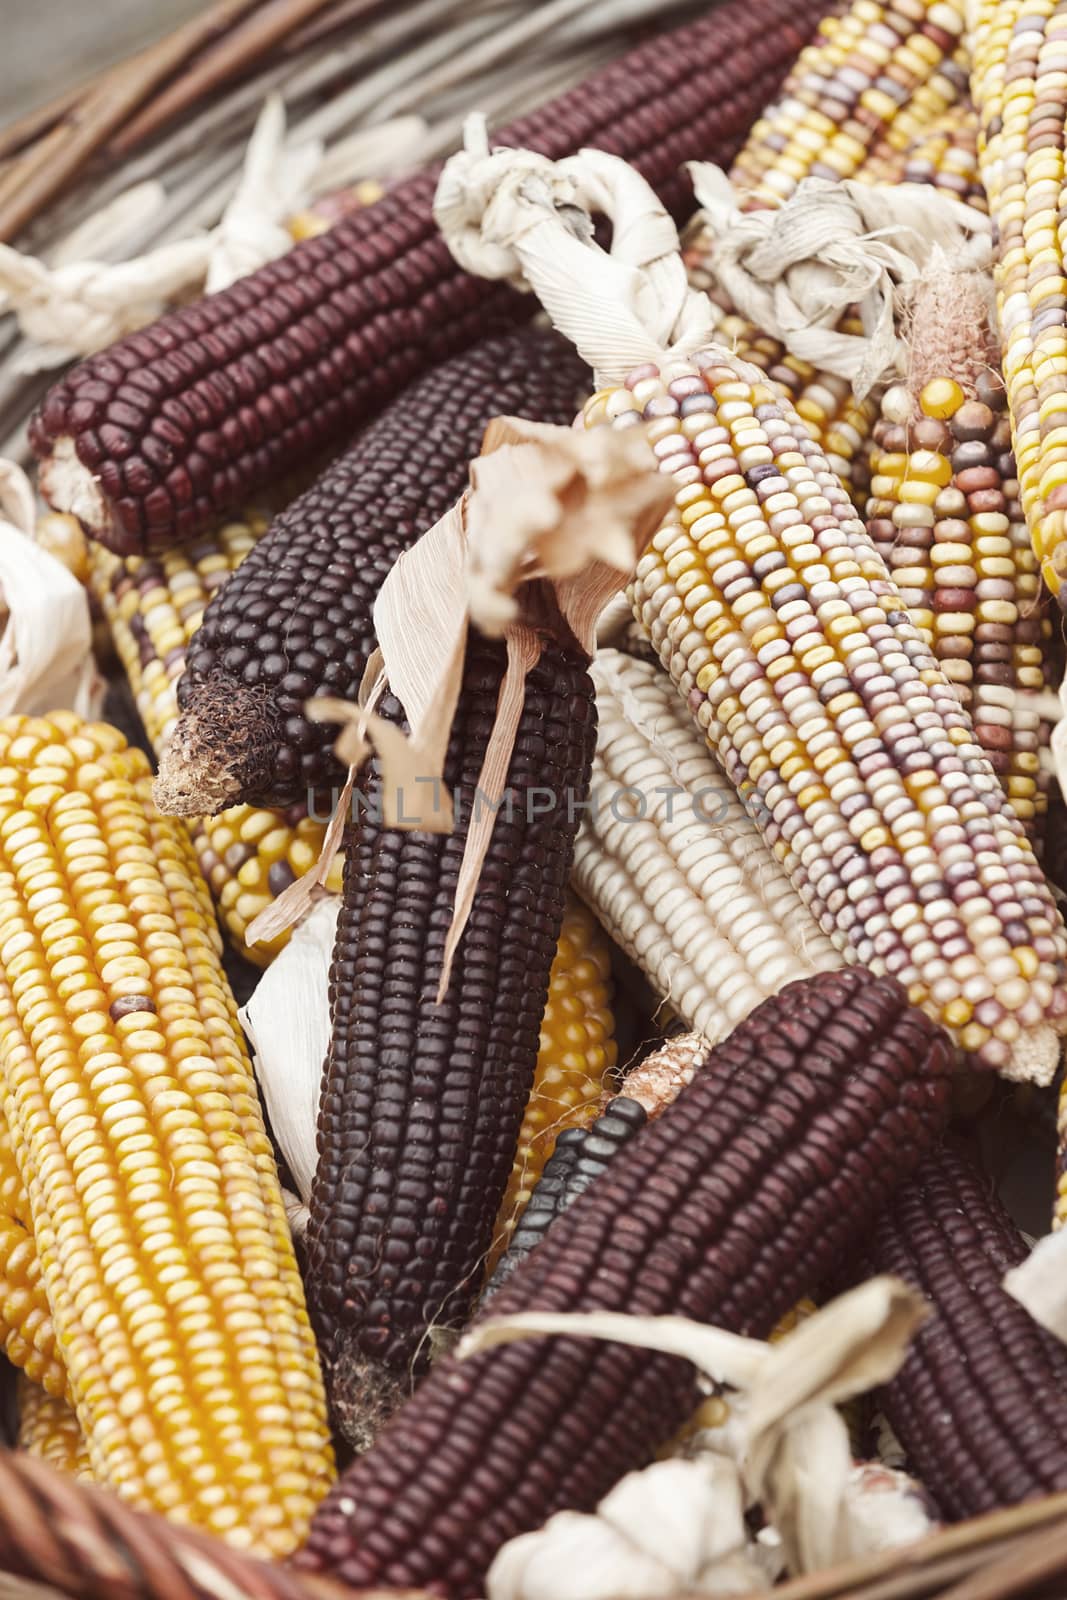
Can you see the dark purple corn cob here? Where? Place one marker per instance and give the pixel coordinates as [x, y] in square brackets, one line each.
[294, 620]
[738, 1200]
[422, 1103]
[980, 1405]
[148, 440]
[579, 1157]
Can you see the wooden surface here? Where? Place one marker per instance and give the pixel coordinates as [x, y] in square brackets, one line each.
[51, 45]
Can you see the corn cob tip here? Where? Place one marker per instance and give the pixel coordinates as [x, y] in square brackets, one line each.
[69, 487]
[363, 1393]
[212, 762]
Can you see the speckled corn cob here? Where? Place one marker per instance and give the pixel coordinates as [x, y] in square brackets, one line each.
[779, 624]
[152, 438]
[48, 1429]
[944, 516]
[980, 1404]
[727, 1209]
[153, 606]
[682, 881]
[943, 156]
[876, 72]
[583, 1152]
[1020, 56]
[839, 422]
[155, 1201]
[575, 1056]
[27, 1333]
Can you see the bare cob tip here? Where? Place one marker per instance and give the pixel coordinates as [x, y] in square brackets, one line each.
[363, 1394]
[68, 486]
[219, 754]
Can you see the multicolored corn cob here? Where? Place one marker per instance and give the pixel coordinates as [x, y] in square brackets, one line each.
[154, 606]
[575, 1058]
[791, 646]
[296, 620]
[943, 156]
[154, 1198]
[48, 1429]
[980, 1405]
[152, 438]
[1019, 49]
[673, 864]
[582, 1152]
[839, 422]
[944, 515]
[422, 1102]
[27, 1333]
[875, 75]
[727, 1209]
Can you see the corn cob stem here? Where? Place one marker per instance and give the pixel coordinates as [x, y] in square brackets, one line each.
[980, 1404]
[575, 1057]
[673, 863]
[295, 620]
[149, 440]
[727, 1209]
[422, 1101]
[155, 1203]
[1017, 50]
[48, 1429]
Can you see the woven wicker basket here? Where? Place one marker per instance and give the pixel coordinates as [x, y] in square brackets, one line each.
[181, 113]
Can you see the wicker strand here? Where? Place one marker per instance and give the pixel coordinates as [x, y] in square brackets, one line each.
[85, 1544]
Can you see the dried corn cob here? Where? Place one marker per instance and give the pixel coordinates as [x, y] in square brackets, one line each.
[27, 1333]
[575, 1056]
[727, 1209]
[583, 1152]
[422, 1102]
[1017, 61]
[944, 516]
[153, 606]
[48, 1429]
[150, 439]
[296, 619]
[155, 1202]
[943, 156]
[874, 75]
[674, 866]
[839, 422]
[980, 1405]
[779, 624]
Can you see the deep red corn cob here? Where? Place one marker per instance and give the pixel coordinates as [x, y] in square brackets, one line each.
[980, 1405]
[739, 1199]
[295, 619]
[421, 1103]
[152, 437]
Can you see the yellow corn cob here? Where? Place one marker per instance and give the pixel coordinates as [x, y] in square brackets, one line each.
[155, 1201]
[876, 72]
[153, 606]
[27, 1333]
[779, 624]
[1017, 87]
[945, 517]
[48, 1428]
[576, 1055]
[682, 881]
